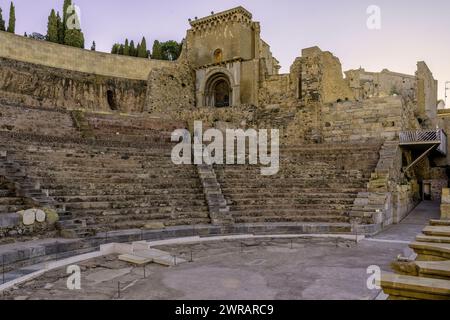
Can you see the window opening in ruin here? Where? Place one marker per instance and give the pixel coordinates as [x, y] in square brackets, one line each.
[218, 55]
[111, 97]
[300, 89]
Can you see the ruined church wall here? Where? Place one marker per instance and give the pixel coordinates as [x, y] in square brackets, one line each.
[74, 59]
[36, 85]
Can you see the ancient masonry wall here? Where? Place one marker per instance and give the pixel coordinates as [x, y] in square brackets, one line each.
[377, 118]
[170, 89]
[40, 86]
[75, 59]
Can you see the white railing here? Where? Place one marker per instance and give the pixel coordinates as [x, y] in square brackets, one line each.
[426, 137]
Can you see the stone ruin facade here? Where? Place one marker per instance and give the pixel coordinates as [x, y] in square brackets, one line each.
[343, 162]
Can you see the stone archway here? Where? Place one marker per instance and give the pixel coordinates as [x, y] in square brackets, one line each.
[218, 91]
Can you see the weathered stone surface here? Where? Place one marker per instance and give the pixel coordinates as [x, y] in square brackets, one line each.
[28, 216]
[40, 216]
[51, 215]
[154, 226]
[407, 287]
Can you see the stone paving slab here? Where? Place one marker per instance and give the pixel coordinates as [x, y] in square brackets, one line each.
[134, 259]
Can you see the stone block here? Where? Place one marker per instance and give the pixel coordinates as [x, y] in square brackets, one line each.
[445, 196]
[154, 226]
[445, 211]
[138, 260]
[51, 216]
[40, 216]
[28, 216]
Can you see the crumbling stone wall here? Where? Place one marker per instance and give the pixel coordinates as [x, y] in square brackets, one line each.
[36, 121]
[427, 92]
[377, 118]
[36, 85]
[367, 85]
[170, 89]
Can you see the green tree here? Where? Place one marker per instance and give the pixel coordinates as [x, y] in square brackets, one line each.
[74, 38]
[133, 51]
[126, 48]
[121, 49]
[66, 5]
[12, 19]
[170, 50]
[157, 51]
[52, 28]
[142, 53]
[115, 48]
[60, 29]
[2, 22]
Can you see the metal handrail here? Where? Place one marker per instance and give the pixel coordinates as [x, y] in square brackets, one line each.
[426, 136]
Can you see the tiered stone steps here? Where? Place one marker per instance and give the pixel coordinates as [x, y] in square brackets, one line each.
[315, 184]
[117, 187]
[429, 276]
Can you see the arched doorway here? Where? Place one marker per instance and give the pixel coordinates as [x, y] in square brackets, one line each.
[218, 91]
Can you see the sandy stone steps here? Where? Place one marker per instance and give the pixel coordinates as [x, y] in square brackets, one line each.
[401, 287]
[141, 224]
[279, 207]
[429, 251]
[305, 195]
[144, 169]
[304, 219]
[148, 192]
[117, 204]
[432, 239]
[434, 269]
[296, 190]
[114, 177]
[439, 231]
[295, 200]
[130, 211]
[152, 217]
[10, 201]
[445, 223]
[137, 197]
[287, 212]
[127, 187]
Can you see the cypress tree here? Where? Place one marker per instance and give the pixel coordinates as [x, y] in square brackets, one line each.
[126, 48]
[12, 19]
[142, 53]
[133, 51]
[67, 4]
[138, 48]
[74, 38]
[157, 51]
[121, 49]
[60, 29]
[52, 28]
[2, 22]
